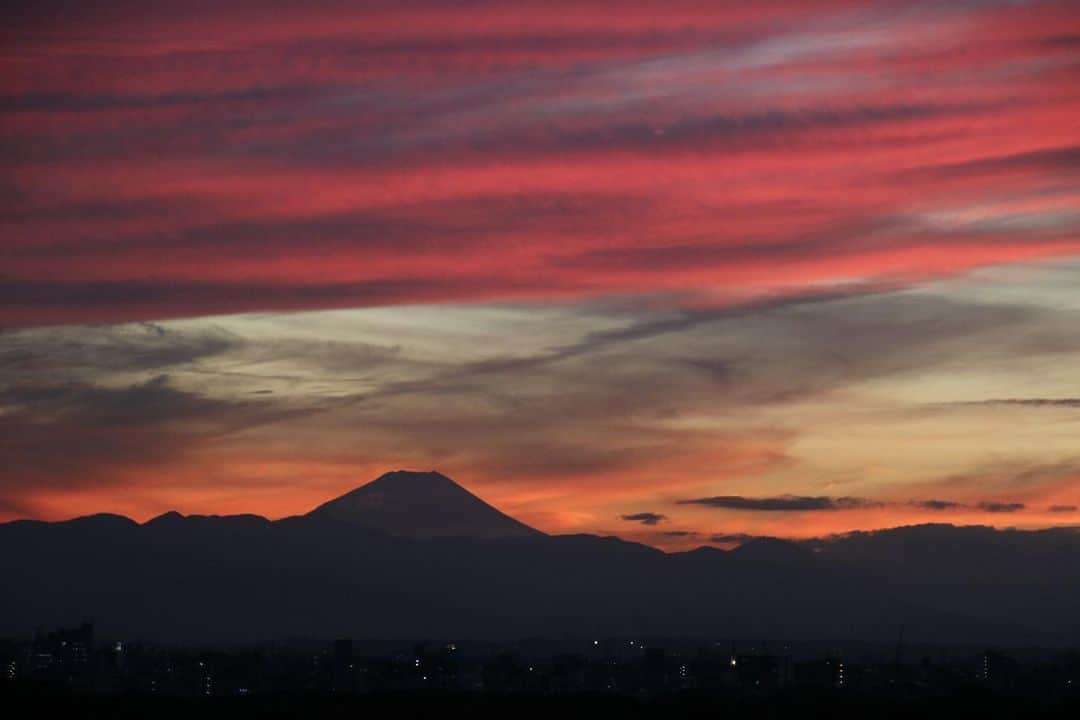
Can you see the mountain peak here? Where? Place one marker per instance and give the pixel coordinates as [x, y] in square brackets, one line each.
[414, 478]
[414, 504]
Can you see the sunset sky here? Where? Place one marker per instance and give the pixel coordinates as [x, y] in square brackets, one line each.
[680, 272]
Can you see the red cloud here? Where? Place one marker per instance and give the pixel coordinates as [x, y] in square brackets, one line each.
[162, 162]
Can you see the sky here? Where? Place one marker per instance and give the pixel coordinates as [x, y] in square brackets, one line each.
[682, 272]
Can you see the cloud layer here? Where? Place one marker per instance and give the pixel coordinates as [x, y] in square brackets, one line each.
[175, 161]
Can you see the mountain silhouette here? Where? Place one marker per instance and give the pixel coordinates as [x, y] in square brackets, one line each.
[421, 505]
[415, 555]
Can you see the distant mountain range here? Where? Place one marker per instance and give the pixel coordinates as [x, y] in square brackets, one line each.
[416, 555]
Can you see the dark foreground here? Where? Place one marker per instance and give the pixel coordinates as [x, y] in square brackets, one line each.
[795, 704]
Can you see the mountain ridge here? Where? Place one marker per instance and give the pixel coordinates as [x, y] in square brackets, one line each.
[245, 578]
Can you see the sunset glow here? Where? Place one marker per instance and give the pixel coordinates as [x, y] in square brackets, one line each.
[679, 272]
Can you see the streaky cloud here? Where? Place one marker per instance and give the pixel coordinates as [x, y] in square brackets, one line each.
[645, 518]
[782, 503]
[937, 504]
[1001, 507]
